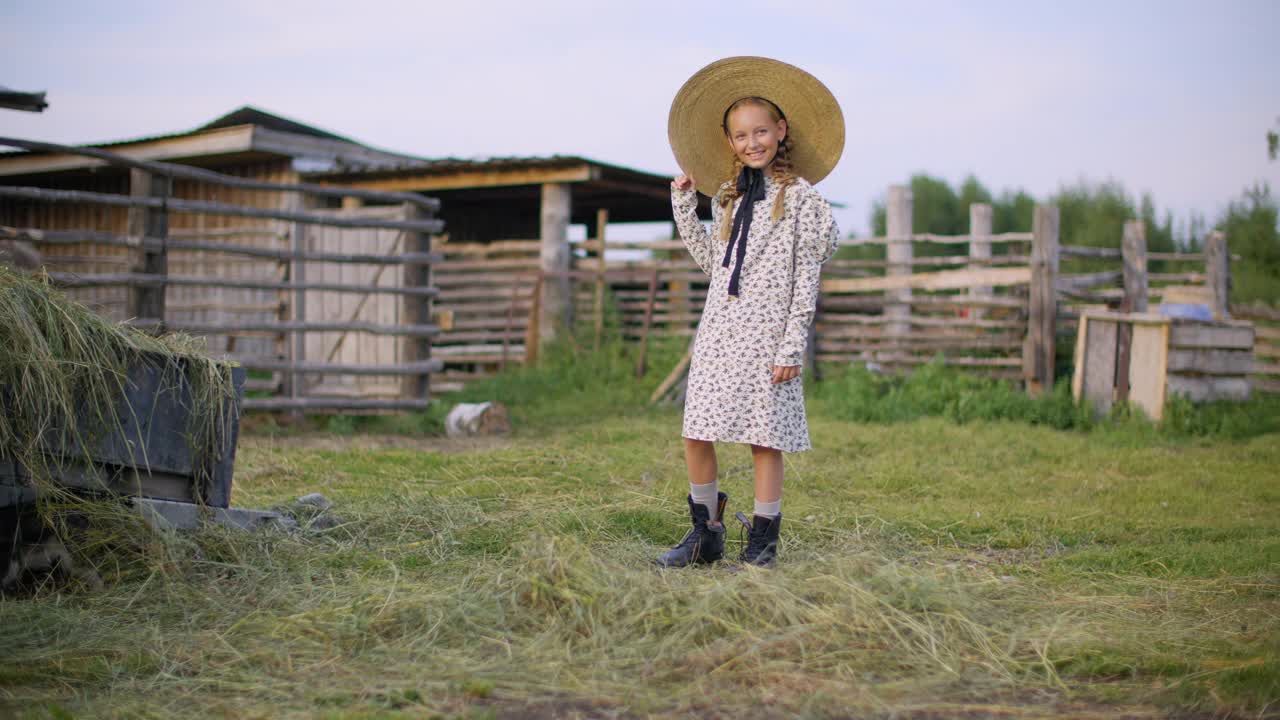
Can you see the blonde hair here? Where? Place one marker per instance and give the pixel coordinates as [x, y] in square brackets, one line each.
[781, 168]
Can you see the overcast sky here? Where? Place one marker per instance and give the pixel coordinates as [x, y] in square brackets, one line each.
[1171, 98]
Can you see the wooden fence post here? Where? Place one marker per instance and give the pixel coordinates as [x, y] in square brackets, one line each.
[1133, 256]
[298, 349]
[557, 288]
[1217, 266]
[898, 226]
[1133, 252]
[147, 302]
[1042, 315]
[602, 219]
[418, 307]
[979, 251]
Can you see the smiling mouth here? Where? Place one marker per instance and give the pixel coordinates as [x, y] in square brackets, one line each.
[756, 156]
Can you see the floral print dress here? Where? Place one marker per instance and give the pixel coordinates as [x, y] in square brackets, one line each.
[731, 396]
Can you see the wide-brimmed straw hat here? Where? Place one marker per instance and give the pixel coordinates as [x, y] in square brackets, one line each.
[697, 136]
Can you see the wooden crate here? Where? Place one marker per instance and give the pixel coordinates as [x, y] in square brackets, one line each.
[1144, 358]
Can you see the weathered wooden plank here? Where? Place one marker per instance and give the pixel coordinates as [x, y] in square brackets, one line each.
[1190, 334]
[1008, 237]
[1088, 280]
[1133, 248]
[1206, 388]
[1217, 266]
[1099, 368]
[945, 280]
[899, 255]
[333, 403]
[1042, 312]
[1148, 360]
[1256, 311]
[832, 303]
[147, 301]
[186, 172]
[137, 279]
[491, 265]
[214, 208]
[497, 247]
[244, 326]
[409, 368]
[1089, 252]
[1211, 361]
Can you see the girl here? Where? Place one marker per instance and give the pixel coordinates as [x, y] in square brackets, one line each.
[762, 131]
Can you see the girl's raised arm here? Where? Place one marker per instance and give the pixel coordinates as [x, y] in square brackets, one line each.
[684, 208]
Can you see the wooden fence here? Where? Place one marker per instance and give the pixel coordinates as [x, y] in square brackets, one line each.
[351, 310]
[1266, 349]
[990, 303]
[271, 283]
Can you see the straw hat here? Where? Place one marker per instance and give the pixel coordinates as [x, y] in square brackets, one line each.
[699, 142]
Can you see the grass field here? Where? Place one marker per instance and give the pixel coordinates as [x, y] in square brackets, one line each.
[930, 568]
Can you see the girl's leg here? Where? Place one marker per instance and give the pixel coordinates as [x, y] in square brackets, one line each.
[762, 543]
[700, 461]
[768, 470]
[705, 542]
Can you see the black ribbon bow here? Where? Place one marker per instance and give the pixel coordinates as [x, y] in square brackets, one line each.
[751, 190]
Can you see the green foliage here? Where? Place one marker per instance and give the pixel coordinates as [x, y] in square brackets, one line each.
[934, 390]
[1252, 226]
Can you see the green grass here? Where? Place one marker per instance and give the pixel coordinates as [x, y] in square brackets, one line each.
[951, 551]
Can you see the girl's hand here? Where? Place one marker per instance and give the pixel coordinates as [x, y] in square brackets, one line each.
[683, 182]
[783, 373]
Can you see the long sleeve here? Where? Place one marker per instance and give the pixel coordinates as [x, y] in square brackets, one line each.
[817, 238]
[684, 207]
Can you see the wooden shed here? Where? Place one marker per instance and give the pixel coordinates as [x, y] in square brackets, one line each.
[507, 223]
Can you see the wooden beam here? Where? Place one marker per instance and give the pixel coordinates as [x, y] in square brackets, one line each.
[557, 294]
[1042, 313]
[147, 301]
[104, 157]
[1134, 251]
[477, 178]
[209, 142]
[215, 208]
[945, 280]
[980, 248]
[899, 251]
[1218, 267]
[418, 310]
[333, 403]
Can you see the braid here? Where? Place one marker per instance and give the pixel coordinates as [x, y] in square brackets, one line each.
[784, 174]
[727, 196]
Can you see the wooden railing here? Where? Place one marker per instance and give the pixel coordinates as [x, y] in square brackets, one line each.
[1266, 349]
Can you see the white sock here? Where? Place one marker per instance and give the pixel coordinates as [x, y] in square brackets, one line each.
[769, 509]
[707, 495]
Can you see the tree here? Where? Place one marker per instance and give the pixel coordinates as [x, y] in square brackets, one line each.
[1253, 232]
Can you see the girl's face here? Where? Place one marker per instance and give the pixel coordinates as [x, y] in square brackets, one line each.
[754, 135]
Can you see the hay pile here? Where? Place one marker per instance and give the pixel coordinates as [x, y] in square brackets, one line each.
[60, 362]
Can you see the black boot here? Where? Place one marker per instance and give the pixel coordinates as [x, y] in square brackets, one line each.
[704, 543]
[762, 540]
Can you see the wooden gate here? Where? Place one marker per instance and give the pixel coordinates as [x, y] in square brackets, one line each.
[349, 347]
